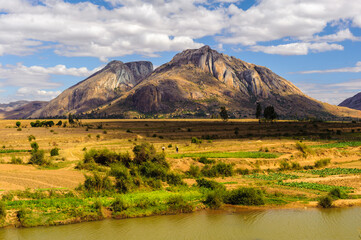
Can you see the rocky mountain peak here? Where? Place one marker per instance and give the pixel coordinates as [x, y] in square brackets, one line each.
[352, 102]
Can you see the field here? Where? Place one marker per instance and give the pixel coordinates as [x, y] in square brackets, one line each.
[291, 162]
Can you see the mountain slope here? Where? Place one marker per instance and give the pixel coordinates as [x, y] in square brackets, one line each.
[110, 82]
[352, 102]
[22, 109]
[199, 81]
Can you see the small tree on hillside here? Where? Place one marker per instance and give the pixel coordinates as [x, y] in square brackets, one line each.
[224, 113]
[18, 124]
[270, 113]
[258, 111]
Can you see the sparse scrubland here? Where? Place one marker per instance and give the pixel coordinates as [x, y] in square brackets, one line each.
[62, 173]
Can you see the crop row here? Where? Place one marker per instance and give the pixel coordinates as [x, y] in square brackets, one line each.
[339, 145]
[12, 150]
[333, 171]
[313, 186]
[273, 176]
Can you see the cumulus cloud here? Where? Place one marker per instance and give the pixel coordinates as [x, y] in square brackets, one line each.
[152, 26]
[354, 69]
[297, 48]
[29, 93]
[332, 93]
[37, 76]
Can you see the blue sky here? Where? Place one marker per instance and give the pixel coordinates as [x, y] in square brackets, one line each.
[47, 46]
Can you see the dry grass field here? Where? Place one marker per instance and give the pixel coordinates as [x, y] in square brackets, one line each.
[279, 138]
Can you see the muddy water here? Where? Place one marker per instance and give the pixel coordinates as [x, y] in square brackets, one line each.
[315, 224]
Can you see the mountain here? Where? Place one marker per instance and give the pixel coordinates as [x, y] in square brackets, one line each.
[195, 83]
[112, 81]
[352, 102]
[12, 105]
[199, 81]
[21, 109]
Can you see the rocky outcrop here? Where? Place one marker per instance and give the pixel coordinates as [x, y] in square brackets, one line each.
[111, 82]
[352, 102]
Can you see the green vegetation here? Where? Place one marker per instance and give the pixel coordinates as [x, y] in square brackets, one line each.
[313, 186]
[39, 123]
[333, 171]
[226, 155]
[217, 170]
[272, 176]
[325, 202]
[223, 114]
[13, 150]
[54, 151]
[37, 156]
[339, 145]
[245, 196]
[322, 162]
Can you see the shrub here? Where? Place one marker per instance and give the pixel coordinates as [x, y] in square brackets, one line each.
[284, 165]
[178, 204]
[54, 152]
[325, 202]
[103, 156]
[338, 193]
[97, 183]
[18, 124]
[194, 171]
[242, 171]
[124, 185]
[119, 205]
[322, 162]
[213, 185]
[31, 137]
[37, 157]
[153, 170]
[245, 196]
[153, 183]
[196, 140]
[2, 210]
[16, 160]
[205, 160]
[214, 199]
[144, 152]
[303, 148]
[174, 179]
[220, 169]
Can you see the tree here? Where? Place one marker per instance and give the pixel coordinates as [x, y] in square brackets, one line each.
[59, 123]
[269, 113]
[224, 113]
[258, 111]
[71, 118]
[18, 124]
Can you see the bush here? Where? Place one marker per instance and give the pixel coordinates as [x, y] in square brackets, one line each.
[205, 160]
[16, 160]
[303, 148]
[2, 210]
[245, 196]
[153, 183]
[153, 170]
[325, 202]
[144, 152]
[54, 152]
[38, 158]
[97, 183]
[119, 205]
[194, 171]
[322, 162]
[213, 185]
[196, 140]
[103, 156]
[124, 185]
[178, 204]
[284, 165]
[175, 179]
[338, 193]
[31, 137]
[214, 199]
[220, 169]
[18, 124]
[242, 171]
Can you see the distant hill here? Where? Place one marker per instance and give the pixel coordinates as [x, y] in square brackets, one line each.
[195, 83]
[12, 105]
[352, 102]
[100, 88]
[23, 110]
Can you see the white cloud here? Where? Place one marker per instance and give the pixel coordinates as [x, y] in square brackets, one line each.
[332, 93]
[30, 93]
[297, 48]
[355, 69]
[151, 26]
[37, 76]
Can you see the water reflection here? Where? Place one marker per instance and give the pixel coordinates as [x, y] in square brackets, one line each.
[334, 224]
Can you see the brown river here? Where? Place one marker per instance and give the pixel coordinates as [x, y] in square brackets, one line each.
[315, 224]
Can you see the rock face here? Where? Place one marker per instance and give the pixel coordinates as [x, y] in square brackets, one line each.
[352, 102]
[201, 80]
[105, 85]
